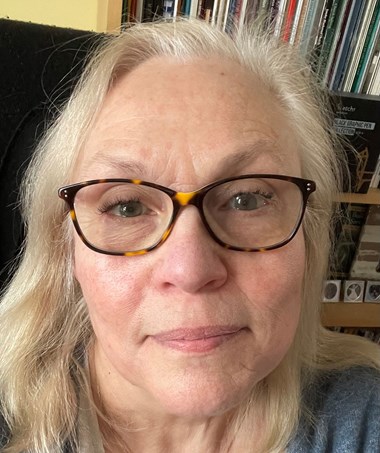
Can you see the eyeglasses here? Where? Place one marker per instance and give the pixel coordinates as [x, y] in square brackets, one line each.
[251, 213]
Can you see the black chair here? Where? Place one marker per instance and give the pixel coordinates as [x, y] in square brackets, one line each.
[39, 68]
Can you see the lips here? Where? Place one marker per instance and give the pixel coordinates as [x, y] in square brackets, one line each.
[200, 339]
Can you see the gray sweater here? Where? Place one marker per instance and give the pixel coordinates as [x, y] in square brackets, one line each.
[346, 407]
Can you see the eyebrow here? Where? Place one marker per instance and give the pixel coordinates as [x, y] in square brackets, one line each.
[128, 166]
[251, 152]
[243, 156]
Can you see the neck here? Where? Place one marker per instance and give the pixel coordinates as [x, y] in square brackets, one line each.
[132, 424]
[177, 436]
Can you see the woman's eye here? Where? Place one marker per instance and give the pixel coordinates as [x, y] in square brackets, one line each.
[247, 201]
[128, 209]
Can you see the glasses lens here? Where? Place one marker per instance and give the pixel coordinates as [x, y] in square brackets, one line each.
[122, 217]
[254, 212]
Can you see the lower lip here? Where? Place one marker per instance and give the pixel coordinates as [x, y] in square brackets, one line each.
[201, 344]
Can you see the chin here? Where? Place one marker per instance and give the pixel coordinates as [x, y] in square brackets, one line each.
[200, 401]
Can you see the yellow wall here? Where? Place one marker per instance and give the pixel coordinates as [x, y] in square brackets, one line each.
[94, 15]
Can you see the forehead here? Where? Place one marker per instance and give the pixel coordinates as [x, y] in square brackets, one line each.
[172, 121]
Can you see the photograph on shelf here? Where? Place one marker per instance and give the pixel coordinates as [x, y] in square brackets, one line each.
[331, 291]
[353, 290]
[372, 291]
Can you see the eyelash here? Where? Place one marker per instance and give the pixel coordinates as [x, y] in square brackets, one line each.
[107, 206]
[267, 195]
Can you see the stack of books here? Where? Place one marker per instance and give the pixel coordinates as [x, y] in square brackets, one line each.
[341, 37]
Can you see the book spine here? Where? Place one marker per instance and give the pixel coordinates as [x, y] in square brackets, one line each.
[139, 10]
[362, 33]
[296, 21]
[289, 19]
[301, 25]
[186, 8]
[193, 9]
[337, 40]
[280, 18]
[368, 50]
[230, 17]
[273, 10]
[328, 38]
[238, 8]
[215, 12]
[124, 12]
[347, 42]
[375, 181]
[251, 11]
[375, 74]
[311, 26]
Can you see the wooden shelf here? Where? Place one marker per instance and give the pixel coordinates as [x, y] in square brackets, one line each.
[362, 314]
[349, 314]
[371, 197]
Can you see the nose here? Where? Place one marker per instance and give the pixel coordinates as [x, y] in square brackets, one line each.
[190, 260]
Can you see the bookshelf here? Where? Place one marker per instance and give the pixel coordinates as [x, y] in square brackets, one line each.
[372, 197]
[345, 314]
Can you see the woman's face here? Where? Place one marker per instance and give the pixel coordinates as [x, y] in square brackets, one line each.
[189, 328]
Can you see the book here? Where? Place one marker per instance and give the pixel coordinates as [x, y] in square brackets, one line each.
[347, 45]
[215, 11]
[366, 263]
[368, 50]
[374, 87]
[305, 34]
[337, 39]
[289, 19]
[375, 181]
[326, 48]
[319, 29]
[280, 17]
[251, 11]
[298, 22]
[193, 9]
[371, 73]
[273, 10]
[357, 51]
[357, 120]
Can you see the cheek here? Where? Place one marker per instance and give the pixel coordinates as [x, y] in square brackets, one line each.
[112, 287]
[274, 290]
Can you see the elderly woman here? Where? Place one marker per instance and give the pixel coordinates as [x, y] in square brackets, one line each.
[168, 299]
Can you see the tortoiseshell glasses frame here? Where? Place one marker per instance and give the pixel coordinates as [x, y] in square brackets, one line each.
[196, 198]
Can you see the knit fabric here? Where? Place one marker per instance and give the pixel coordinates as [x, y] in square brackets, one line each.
[346, 409]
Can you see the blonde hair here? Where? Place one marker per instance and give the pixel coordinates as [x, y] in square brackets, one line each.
[43, 318]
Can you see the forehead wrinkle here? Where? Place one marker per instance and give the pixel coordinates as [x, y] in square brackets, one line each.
[129, 167]
[251, 152]
[229, 165]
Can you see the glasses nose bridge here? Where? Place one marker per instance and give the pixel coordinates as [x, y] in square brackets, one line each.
[183, 199]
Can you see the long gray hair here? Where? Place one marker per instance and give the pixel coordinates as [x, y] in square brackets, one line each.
[44, 324]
